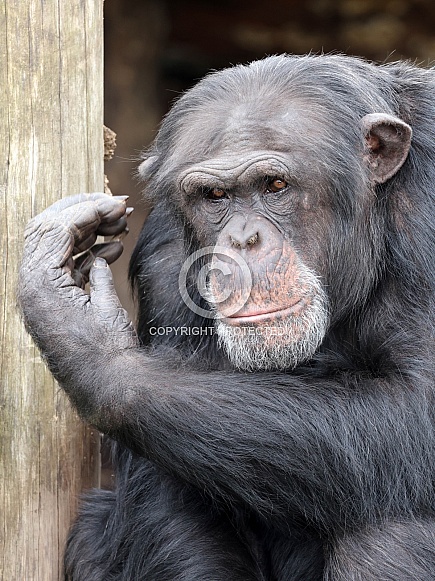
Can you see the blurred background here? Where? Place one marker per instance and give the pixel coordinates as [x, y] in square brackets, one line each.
[156, 49]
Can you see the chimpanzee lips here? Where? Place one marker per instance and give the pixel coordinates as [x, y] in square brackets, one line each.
[259, 315]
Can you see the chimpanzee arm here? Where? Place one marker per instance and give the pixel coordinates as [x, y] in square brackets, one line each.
[329, 450]
[282, 444]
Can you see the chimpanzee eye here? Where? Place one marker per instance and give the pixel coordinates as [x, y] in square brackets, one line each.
[214, 194]
[275, 185]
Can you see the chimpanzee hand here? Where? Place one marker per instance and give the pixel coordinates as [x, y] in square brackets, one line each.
[68, 324]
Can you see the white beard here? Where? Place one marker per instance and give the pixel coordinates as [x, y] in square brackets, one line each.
[279, 343]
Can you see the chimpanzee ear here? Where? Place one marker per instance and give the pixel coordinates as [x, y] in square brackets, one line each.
[145, 167]
[387, 142]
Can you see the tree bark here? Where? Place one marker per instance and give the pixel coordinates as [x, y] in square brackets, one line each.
[51, 145]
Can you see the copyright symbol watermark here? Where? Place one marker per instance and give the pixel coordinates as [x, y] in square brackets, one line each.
[224, 262]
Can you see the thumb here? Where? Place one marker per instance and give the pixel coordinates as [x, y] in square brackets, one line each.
[105, 301]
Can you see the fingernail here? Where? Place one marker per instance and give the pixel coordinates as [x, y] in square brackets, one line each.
[100, 262]
[121, 236]
[121, 198]
[129, 211]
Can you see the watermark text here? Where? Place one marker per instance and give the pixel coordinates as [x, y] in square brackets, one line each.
[183, 331]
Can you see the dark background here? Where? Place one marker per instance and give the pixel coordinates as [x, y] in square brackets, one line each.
[156, 49]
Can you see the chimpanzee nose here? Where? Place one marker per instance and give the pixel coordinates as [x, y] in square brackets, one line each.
[244, 236]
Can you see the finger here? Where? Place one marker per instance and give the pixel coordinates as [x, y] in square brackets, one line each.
[104, 299]
[55, 209]
[110, 251]
[69, 201]
[108, 209]
[85, 218]
[79, 279]
[111, 208]
[85, 244]
[113, 228]
[52, 242]
[50, 239]
[118, 229]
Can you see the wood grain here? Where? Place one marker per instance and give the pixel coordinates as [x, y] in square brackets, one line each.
[51, 119]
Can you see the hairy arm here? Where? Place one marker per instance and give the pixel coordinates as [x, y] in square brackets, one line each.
[326, 449]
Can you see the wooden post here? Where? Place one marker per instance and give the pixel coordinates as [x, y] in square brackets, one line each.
[51, 145]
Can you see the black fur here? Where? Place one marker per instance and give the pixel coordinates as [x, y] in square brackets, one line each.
[324, 472]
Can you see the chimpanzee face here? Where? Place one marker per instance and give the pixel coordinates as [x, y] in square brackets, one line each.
[263, 203]
[256, 183]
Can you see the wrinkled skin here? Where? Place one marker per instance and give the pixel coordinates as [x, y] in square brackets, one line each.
[66, 229]
[319, 464]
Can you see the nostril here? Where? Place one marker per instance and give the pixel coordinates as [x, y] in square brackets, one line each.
[234, 242]
[244, 240]
[252, 240]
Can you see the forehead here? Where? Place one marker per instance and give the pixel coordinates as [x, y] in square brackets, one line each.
[225, 128]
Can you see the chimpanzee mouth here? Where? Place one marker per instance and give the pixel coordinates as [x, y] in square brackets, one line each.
[259, 316]
[276, 339]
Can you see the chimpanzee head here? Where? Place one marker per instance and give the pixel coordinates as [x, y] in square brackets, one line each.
[281, 162]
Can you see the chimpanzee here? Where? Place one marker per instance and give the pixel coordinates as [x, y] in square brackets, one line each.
[277, 421]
